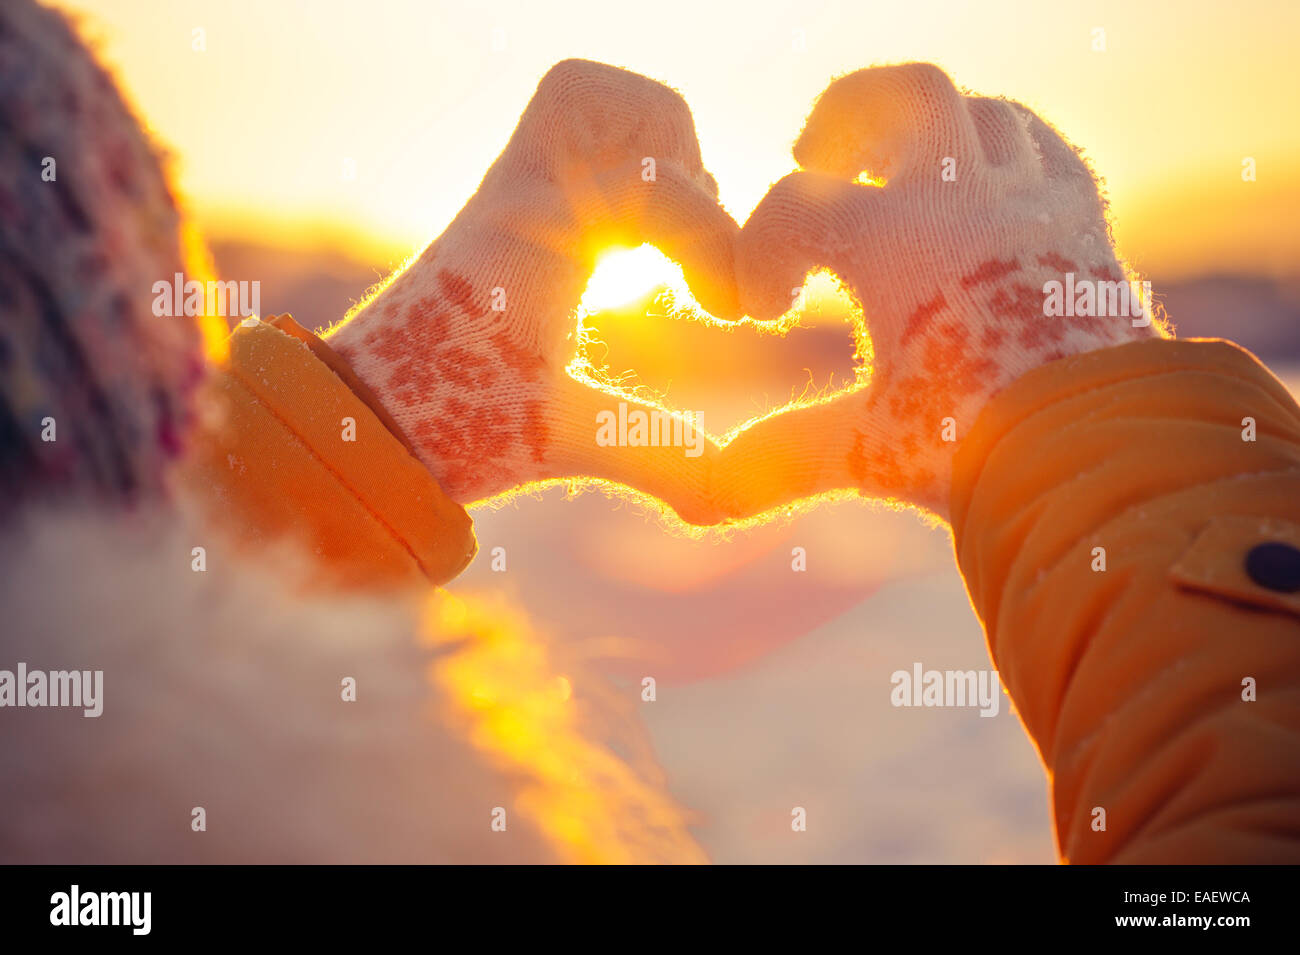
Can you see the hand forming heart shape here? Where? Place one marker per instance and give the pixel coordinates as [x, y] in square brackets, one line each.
[982, 204]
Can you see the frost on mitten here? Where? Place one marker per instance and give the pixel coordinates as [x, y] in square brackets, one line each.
[94, 388]
[467, 348]
[948, 217]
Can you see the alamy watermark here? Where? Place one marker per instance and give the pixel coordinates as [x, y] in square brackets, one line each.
[1088, 298]
[639, 428]
[72, 688]
[177, 296]
[75, 907]
[946, 688]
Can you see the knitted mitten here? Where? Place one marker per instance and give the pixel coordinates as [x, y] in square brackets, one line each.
[468, 347]
[94, 388]
[982, 206]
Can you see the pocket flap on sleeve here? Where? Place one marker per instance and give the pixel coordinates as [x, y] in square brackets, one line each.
[1252, 560]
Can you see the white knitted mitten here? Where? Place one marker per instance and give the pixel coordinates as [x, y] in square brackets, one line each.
[982, 206]
[467, 348]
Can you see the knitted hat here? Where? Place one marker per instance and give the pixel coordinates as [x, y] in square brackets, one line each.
[93, 386]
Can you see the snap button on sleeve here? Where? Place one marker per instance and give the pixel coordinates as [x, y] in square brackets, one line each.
[1275, 565]
[1247, 559]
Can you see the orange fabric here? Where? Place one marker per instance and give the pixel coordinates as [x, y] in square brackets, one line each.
[1130, 680]
[272, 450]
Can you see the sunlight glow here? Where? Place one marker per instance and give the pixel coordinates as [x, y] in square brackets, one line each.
[495, 676]
[865, 178]
[213, 331]
[373, 70]
[624, 276]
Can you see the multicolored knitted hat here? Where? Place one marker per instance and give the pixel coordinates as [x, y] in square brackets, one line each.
[94, 388]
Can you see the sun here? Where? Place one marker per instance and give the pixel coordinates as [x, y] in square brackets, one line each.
[624, 276]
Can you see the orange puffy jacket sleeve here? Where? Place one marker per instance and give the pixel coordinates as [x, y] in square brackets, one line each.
[1128, 525]
[292, 444]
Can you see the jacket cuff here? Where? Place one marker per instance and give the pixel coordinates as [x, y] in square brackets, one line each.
[300, 446]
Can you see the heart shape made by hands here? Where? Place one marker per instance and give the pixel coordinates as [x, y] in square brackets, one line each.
[945, 215]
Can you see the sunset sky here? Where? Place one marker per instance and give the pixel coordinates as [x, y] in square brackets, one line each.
[268, 123]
